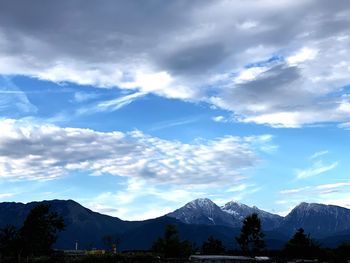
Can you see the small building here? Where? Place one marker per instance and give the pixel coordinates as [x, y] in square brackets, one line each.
[262, 258]
[96, 252]
[74, 253]
[220, 259]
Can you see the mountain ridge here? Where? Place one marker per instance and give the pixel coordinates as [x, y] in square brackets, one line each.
[327, 223]
[200, 211]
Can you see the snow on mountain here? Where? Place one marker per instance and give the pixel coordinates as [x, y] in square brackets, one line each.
[204, 211]
[317, 219]
[240, 211]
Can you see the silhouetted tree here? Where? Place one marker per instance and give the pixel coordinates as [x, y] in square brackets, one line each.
[111, 242]
[8, 240]
[39, 230]
[170, 244]
[251, 238]
[342, 252]
[212, 247]
[301, 246]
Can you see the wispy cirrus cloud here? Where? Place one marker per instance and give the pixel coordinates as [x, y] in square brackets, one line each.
[111, 105]
[173, 123]
[316, 169]
[14, 101]
[317, 190]
[318, 154]
[332, 193]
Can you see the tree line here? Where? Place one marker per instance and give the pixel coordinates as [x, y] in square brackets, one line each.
[35, 237]
[251, 242]
[39, 231]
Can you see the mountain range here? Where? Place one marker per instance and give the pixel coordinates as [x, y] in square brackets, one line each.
[196, 221]
[205, 211]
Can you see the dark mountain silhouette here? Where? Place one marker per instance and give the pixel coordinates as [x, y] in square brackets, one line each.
[196, 221]
[82, 224]
[317, 219]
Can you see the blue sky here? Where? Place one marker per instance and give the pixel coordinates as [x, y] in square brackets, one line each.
[135, 109]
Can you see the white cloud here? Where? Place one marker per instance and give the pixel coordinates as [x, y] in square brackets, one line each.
[194, 53]
[332, 193]
[164, 200]
[317, 190]
[84, 96]
[293, 191]
[112, 105]
[340, 201]
[345, 125]
[317, 169]
[13, 101]
[318, 154]
[332, 186]
[249, 74]
[301, 56]
[6, 195]
[173, 123]
[42, 152]
[220, 118]
[237, 188]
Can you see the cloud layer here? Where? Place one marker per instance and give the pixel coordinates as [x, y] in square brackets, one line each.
[332, 193]
[282, 63]
[41, 152]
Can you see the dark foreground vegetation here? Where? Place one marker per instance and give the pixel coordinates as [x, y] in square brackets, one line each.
[34, 240]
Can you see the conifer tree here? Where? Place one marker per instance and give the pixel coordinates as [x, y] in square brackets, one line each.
[251, 237]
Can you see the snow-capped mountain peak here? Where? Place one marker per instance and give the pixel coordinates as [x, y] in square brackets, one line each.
[201, 203]
[203, 211]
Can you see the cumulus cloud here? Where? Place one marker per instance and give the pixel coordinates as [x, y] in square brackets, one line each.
[42, 152]
[281, 63]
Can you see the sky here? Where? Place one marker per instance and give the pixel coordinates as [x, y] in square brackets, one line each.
[134, 108]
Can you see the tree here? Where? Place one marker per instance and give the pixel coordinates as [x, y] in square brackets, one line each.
[342, 252]
[8, 240]
[212, 247]
[170, 244]
[301, 246]
[39, 230]
[111, 242]
[251, 237]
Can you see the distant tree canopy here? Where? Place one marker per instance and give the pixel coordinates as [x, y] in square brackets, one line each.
[301, 246]
[111, 242]
[8, 240]
[39, 230]
[251, 238]
[342, 253]
[212, 247]
[35, 237]
[170, 245]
